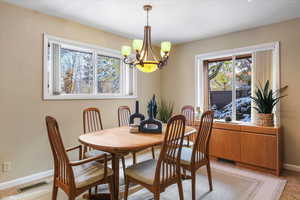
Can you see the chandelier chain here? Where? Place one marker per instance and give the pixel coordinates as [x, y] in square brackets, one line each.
[147, 17]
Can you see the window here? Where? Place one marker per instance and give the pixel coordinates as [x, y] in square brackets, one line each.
[108, 74]
[230, 81]
[225, 80]
[79, 71]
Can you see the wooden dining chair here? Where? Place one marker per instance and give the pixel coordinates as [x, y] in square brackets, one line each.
[198, 156]
[189, 113]
[123, 115]
[157, 175]
[74, 177]
[91, 123]
[123, 119]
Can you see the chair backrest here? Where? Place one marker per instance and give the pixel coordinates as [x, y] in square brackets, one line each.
[169, 158]
[201, 145]
[62, 170]
[123, 115]
[189, 113]
[92, 120]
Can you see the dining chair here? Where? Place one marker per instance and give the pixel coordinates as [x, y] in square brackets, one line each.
[123, 115]
[194, 158]
[157, 175]
[74, 177]
[189, 112]
[91, 123]
[123, 119]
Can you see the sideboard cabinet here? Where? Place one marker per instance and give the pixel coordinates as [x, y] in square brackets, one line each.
[249, 146]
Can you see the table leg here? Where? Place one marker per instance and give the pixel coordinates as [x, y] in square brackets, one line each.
[115, 168]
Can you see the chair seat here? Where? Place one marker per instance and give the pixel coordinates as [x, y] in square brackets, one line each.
[93, 153]
[186, 155]
[89, 173]
[143, 171]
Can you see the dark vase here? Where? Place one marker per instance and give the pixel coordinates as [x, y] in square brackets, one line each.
[136, 115]
[228, 119]
[152, 106]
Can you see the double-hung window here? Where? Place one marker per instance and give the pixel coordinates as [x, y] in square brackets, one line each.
[74, 70]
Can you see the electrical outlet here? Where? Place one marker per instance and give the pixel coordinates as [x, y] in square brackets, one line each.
[6, 166]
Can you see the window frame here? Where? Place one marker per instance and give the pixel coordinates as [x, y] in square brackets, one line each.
[233, 53]
[96, 50]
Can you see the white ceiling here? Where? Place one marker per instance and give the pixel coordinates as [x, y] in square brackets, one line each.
[175, 20]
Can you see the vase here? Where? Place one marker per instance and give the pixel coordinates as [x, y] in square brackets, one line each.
[137, 116]
[264, 119]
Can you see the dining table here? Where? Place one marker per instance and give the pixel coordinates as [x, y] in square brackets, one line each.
[120, 141]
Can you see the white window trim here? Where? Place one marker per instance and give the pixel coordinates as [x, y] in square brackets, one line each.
[99, 50]
[274, 46]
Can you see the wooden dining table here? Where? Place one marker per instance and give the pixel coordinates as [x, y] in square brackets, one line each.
[119, 141]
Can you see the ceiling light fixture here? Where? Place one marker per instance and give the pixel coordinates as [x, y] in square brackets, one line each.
[145, 59]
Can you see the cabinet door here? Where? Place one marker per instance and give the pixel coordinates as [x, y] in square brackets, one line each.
[225, 144]
[258, 149]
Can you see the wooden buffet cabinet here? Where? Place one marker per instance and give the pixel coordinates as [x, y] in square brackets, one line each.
[249, 146]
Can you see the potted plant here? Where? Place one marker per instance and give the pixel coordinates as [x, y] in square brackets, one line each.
[265, 100]
[165, 110]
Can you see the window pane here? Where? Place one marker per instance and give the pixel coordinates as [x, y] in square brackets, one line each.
[220, 88]
[76, 72]
[243, 89]
[108, 74]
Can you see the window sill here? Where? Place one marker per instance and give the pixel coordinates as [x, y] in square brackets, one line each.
[233, 122]
[86, 97]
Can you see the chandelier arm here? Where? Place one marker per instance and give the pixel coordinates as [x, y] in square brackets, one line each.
[143, 47]
[127, 61]
[163, 62]
[137, 56]
[153, 54]
[150, 46]
[144, 51]
[148, 30]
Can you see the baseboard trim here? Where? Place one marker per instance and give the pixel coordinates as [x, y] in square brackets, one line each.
[295, 168]
[25, 180]
[45, 174]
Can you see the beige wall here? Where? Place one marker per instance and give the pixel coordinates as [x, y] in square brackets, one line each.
[178, 79]
[23, 134]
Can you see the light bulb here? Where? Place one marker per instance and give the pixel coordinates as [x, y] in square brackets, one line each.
[166, 46]
[137, 45]
[126, 50]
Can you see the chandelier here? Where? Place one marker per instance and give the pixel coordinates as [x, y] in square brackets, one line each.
[145, 59]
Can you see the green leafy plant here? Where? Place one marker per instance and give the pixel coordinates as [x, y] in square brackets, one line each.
[265, 98]
[165, 110]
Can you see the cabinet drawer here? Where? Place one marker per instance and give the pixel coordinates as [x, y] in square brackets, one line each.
[225, 144]
[260, 150]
